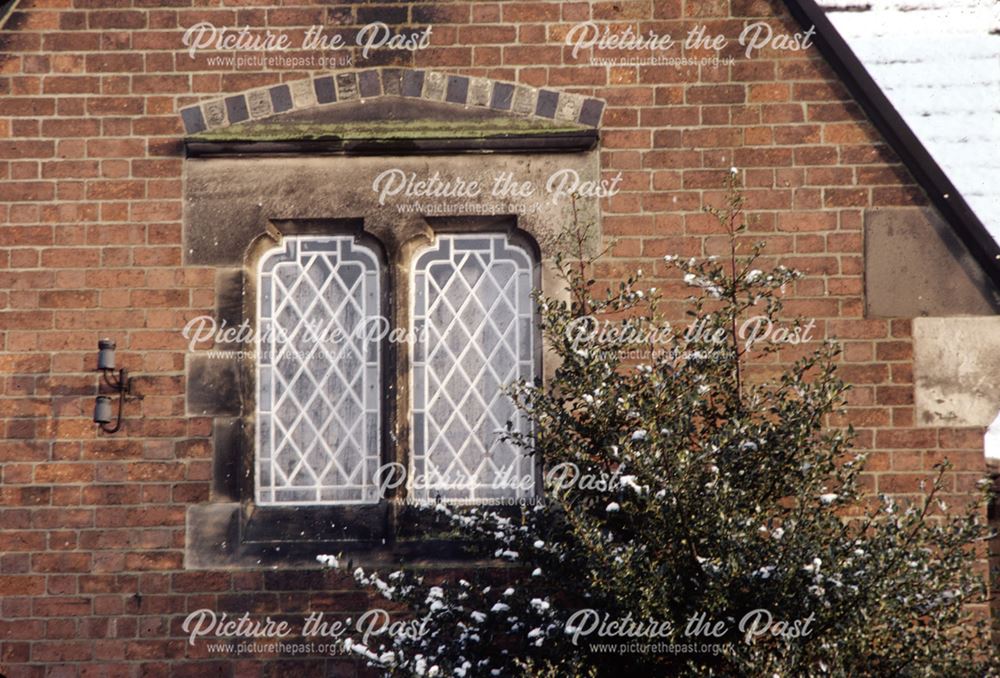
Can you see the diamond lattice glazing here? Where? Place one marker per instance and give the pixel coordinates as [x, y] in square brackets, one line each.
[318, 373]
[472, 307]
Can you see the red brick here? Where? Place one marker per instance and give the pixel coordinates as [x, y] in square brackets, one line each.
[92, 244]
[57, 606]
[21, 585]
[71, 84]
[772, 91]
[807, 221]
[716, 94]
[61, 562]
[848, 133]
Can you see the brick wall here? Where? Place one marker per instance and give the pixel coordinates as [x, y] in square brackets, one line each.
[92, 526]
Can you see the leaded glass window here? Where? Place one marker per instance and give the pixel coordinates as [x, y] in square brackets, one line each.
[318, 372]
[473, 322]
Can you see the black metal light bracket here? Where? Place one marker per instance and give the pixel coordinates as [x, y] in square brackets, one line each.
[119, 382]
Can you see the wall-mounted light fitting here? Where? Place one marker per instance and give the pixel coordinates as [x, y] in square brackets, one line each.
[120, 383]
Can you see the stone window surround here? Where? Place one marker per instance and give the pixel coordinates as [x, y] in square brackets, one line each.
[271, 528]
[354, 524]
[237, 208]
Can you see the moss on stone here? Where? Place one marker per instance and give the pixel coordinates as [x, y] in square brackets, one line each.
[385, 129]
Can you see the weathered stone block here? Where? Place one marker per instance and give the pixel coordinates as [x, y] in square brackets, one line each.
[213, 385]
[956, 363]
[259, 102]
[215, 113]
[229, 299]
[226, 439]
[302, 93]
[915, 265]
[568, 109]
[524, 100]
[434, 85]
[347, 87]
[479, 91]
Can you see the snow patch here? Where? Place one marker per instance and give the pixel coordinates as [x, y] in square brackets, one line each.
[992, 439]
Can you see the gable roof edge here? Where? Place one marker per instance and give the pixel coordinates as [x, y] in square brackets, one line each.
[6, 9]
[887, 120]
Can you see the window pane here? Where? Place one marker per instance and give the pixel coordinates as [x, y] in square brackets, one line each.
[318, 373]
[472, 306]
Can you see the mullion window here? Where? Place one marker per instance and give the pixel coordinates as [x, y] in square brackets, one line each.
[320, 399]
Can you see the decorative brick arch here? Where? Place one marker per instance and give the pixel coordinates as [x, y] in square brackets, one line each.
[359, 85]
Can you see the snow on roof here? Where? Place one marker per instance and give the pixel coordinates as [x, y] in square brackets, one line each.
[938, 62]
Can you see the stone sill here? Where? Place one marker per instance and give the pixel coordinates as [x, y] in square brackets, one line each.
[213, 541]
